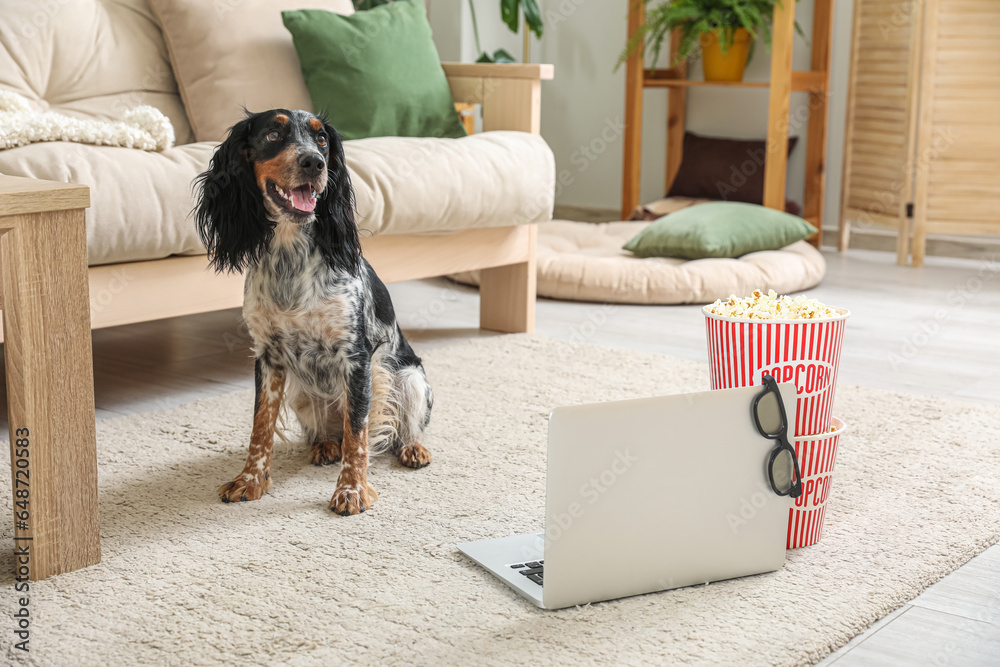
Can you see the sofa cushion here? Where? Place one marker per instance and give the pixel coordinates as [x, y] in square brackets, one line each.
[140, 201]
[407, 185]
[231, 54]
[88, 59]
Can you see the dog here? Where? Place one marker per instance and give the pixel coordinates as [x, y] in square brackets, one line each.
[277, 204]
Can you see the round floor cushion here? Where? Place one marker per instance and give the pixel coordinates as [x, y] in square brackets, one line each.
[581, 261]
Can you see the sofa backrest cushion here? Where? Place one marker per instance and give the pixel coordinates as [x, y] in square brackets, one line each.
[89, 59]
[229, 54]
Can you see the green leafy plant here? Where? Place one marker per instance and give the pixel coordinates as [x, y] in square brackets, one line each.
[697, 17]
[509, 11]
[499, 56]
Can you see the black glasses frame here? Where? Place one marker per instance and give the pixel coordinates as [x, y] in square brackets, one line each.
[781, 438]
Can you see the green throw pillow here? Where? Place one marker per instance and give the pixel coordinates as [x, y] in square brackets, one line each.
[719, 229]
[375, 73]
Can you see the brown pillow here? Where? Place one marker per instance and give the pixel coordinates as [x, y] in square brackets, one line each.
[227, 55]
[722, 169]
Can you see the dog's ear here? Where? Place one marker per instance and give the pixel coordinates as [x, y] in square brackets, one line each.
[229, 212]
[334, 231]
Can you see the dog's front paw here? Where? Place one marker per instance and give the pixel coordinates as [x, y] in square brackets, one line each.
[414, 456]
[245, 487]
[348, 500]
[324, 453]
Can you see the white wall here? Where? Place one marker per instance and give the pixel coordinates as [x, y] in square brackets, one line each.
[582, 109]
[451, 22]
[452, 29]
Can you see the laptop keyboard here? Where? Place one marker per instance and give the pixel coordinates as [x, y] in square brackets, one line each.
[533, 570]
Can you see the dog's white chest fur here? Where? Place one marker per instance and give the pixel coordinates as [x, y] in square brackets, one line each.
[302, 318]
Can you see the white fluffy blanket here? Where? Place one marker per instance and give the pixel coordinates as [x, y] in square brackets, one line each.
[143, 127]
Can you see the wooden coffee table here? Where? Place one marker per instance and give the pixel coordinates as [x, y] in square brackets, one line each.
[50, 375]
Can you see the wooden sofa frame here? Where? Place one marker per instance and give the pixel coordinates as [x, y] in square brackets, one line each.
[510, 96]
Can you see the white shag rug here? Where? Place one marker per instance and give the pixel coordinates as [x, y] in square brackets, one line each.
[21, 124]
[187, 580]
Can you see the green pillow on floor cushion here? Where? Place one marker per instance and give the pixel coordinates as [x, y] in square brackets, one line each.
[375, 73]
[719, 229]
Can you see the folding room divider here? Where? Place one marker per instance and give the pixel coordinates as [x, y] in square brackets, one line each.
[923, 121]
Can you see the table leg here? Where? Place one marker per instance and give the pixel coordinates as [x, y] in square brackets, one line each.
[50, 391]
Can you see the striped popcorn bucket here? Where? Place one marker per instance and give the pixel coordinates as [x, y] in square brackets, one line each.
[817, 455]
[806, 352]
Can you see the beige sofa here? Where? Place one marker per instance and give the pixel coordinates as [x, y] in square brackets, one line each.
[427, 207]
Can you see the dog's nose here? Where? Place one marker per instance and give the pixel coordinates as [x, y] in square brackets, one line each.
[312, 163]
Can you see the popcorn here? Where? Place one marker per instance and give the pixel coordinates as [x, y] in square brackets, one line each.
[770, 306]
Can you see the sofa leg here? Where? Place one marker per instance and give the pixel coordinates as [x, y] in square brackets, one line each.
[507, 294]
[507, 298]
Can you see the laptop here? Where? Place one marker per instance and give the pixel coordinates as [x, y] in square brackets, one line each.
[648, 495]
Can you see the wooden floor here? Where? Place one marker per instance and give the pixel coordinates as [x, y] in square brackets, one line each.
[931, 330]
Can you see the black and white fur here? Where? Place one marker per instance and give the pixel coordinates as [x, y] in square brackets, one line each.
[277, 204]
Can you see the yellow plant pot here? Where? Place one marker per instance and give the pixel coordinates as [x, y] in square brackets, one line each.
[728, 66]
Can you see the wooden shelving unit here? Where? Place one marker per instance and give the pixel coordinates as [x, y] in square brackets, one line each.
[782, 83]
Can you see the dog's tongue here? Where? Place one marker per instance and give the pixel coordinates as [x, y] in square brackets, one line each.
[302, 198]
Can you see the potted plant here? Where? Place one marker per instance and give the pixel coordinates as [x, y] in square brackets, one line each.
[510, 13]
[725, 30]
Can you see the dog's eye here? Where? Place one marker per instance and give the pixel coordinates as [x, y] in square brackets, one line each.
[321, 139]
[272, 135]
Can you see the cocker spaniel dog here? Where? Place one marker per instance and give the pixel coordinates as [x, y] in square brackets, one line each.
[277, 204]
